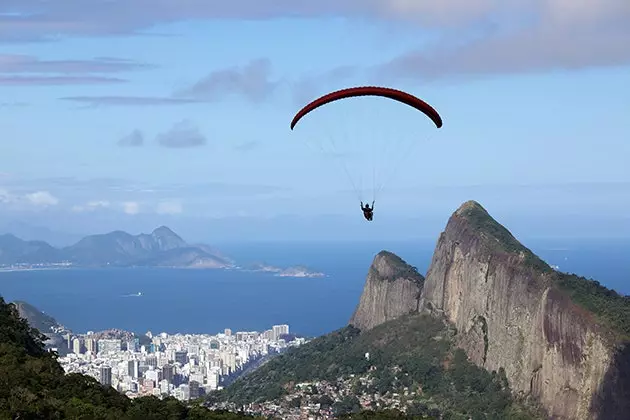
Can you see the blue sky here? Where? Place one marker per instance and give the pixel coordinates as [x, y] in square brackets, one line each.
[131, 114]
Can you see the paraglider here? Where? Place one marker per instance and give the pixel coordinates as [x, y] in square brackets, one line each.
[368, 212]
[372, 91]
[394, 94]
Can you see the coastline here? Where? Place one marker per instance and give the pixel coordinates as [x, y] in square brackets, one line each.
[277, 272]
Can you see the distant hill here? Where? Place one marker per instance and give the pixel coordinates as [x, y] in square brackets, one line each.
[160, 248]
[30, 232]
[15, 250]
[37, 319]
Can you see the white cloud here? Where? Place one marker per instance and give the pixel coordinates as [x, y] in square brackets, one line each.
[42, 198]
[102, 203]
[131, 207]
[169, 207]
[91, 205]
[37, 198]
[6, 196]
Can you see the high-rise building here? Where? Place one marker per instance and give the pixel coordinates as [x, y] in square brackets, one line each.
[142, 369]
[148, 384]
[197, 376]
[133, 345]
[133, 368]
[268, 335]
[185, 390]
[213, 379]
[109, 345]
[154, 375]
[181, 357]
[151, 360]
[76, 346]
[194, 389]
[168, 373]
[90, 345]
[106, 375]
[279, 330]
[164, 388]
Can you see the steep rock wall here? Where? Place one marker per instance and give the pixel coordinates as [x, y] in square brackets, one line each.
[509, 314]
[392, 289]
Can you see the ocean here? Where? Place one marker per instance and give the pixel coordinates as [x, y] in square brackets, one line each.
[208, 301]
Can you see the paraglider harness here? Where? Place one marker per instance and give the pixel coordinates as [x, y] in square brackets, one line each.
[368, 212]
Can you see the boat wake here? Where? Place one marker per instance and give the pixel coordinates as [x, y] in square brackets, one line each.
[139, 294]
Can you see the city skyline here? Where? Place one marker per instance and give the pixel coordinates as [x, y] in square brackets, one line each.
[185, 366]
[181, 116]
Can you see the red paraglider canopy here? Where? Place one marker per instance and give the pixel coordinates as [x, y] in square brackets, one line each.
[394, 94]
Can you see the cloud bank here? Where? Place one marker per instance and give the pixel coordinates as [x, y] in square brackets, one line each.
[477, 36]
[184, 134]
[25, 70]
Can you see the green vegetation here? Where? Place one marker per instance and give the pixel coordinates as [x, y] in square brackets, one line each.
[33, 385]
[611, 308]
[35, 318]
[387, 415]
[481, 220]
[413, 352]
[400, 268]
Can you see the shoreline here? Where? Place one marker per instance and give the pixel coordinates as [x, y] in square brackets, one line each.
[278, 273]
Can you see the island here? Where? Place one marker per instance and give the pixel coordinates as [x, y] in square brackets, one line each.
[296, 271]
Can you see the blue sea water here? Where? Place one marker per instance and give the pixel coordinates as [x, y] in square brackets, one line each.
[207, 301]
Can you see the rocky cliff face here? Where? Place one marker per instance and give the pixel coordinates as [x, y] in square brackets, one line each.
[509, 313]
[392, 289]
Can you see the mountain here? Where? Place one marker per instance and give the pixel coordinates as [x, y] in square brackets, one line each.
[122, 248]
[392, 289]
[187, 256]
[34, 386]
[45, 324]
[160, 248]
[14, 250]
[560, 338]
[555, 341]
[27, 231]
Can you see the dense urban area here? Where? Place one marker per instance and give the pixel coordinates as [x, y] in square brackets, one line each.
[328, 399]
[185, 366]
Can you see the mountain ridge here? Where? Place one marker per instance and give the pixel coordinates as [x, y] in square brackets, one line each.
[513, 311]
[559, 340]
[160, 248]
